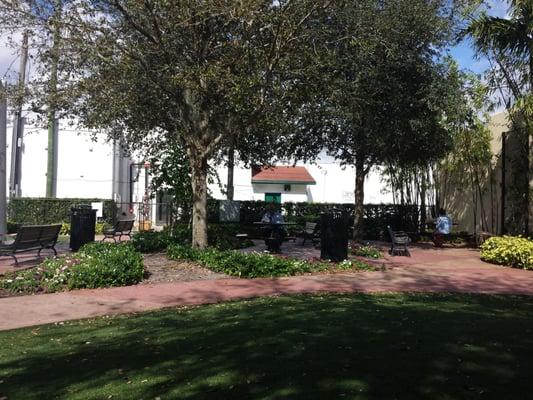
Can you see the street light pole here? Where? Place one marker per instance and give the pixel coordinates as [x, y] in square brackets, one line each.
[3, 163]
[18, 125]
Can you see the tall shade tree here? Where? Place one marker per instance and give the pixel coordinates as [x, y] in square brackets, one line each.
[201, 74]
[380, 102]
[508, 42]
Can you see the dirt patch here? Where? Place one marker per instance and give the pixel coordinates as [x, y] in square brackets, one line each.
[161, 270]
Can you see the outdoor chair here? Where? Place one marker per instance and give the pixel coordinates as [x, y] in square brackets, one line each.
[32, 237]
[310, 232]
[399, 242]
[121, 228]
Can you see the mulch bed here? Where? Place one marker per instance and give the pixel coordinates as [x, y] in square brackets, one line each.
[162, 270]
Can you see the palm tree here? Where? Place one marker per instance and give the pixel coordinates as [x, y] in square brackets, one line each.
[507, 38]
[511, 42]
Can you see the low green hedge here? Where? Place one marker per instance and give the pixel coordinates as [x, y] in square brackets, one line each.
[375, 221]
[223, 236]
[40, 211]
[13, 227]
[255, 265]
[95, 265]
[513, 251]
[220, 236]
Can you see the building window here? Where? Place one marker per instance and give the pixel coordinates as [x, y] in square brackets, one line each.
[287, 188]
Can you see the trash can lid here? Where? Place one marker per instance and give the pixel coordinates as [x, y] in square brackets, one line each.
[82, 207]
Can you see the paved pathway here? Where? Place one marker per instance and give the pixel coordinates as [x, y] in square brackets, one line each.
[428, 270]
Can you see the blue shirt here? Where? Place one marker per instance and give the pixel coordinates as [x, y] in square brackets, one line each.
[444, 224]
[273, 217]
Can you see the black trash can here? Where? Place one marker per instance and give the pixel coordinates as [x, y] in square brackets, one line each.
[82, 226]
[334, 236]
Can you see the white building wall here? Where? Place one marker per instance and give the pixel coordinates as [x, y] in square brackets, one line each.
[298, 193]
[85, 170]
[85, 167]
[334, 184]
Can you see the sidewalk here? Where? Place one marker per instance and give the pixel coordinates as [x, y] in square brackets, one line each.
[428, 270]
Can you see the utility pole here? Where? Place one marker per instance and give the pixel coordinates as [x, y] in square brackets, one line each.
[503, 228]
[51, 166]
[18, 125]
[3, 164]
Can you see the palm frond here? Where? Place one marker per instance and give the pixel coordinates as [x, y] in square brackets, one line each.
[502, 35]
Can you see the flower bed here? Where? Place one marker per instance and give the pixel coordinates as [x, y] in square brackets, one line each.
[367, 251]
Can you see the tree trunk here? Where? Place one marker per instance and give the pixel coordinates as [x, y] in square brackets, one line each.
[359, 196]
[529, 142]
[52, 155]
[231, 166]
[199, 202]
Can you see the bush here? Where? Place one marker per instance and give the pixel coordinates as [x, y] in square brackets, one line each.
[150, 241]
[95, 265]
[98, 229]
[508, 250]
[254, 265]
[107, 264]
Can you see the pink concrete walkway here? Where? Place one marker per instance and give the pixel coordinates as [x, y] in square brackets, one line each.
[428, 270]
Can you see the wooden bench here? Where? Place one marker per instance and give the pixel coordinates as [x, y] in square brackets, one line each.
[482, 236]
[32, 237]
[121, 228]
[399, 242]
[310, 232]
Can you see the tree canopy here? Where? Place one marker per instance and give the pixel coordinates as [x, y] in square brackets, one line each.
[195, 73]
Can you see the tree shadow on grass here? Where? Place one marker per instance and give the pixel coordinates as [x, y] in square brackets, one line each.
[303, 347]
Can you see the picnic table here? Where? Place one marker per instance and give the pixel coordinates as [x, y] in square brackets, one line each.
[274, 240]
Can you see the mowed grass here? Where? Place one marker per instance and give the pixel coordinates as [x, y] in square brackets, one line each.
[395, 346]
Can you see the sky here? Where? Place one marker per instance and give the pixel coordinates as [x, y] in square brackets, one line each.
[463, 52]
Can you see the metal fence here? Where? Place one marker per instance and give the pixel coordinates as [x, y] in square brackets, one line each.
[147, 215]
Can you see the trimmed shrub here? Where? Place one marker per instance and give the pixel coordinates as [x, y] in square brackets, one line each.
[514, 251]
[255, 265]
[95, 265]
[376, 216]
[39, 211]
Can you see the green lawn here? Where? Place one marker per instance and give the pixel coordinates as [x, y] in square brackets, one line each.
[306, 347]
